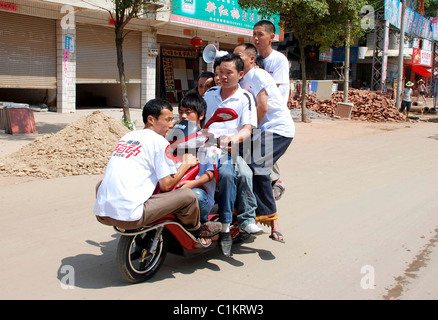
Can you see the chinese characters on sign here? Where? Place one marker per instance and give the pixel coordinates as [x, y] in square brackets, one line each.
[168, 73]
[180, 53]
[422, 57]
[224, 15]
[8, 6]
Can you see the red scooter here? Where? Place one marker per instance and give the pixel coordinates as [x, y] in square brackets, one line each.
[141, 252]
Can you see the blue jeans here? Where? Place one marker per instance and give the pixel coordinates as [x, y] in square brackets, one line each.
[204, 206]
[235, 190]
[267, 149]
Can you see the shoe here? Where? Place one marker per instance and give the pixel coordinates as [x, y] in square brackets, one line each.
[252, 228]
[210, 229]
[225, 243]
[277, 238]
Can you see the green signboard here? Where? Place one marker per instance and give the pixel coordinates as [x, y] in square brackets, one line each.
[221, 15]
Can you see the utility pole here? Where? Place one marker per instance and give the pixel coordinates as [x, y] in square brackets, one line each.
[400, 55]
[347, 64]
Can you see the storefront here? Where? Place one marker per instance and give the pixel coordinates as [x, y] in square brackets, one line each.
[97, 75]
[27, 56]
[192, 26]
[64, 56]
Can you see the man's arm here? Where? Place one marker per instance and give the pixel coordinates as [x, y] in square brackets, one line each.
[233, 142]
[262, 105]
[167, 183]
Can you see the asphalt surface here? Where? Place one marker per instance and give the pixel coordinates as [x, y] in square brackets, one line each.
[359, 217]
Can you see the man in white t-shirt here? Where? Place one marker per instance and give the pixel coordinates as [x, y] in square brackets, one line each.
[139, 162]
[277, 65]
[232, 169]
[276, 128]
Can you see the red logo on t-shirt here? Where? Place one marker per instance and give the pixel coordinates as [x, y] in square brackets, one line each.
[127, 149]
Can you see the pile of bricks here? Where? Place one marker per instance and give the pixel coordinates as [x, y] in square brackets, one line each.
[368, 106]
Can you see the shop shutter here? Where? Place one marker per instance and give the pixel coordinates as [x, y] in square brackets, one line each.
[27, 52]
[96, 56]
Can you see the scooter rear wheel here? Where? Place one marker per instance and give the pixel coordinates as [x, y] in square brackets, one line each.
[136, 261]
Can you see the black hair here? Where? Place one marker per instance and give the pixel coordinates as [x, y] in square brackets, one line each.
[153, 108]
[248, 47]
[206, 74]
[232, 57]
[194, 101]
[268, 25]
[217, 62]
[259, 62]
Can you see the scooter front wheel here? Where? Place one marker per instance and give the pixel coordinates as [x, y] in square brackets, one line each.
[139, 257]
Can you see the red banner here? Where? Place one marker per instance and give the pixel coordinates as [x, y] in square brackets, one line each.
[8, 6]
[422, 57]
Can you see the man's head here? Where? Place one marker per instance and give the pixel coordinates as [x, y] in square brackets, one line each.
[158, 116]
[263, 34]
[230, 70]
[205, 82]
[216, 65]
[248, 54]
[192, 108]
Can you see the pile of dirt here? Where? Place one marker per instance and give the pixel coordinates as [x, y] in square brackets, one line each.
[82, 147]
[368, 106]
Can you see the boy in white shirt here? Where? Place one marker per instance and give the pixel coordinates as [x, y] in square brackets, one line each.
[234, 133]
[139, 162]
[192, 108]
[277, 65]
[276, 128]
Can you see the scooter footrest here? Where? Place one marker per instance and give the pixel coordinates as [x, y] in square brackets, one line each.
[267, 218]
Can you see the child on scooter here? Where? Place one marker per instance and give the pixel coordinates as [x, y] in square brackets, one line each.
[192, 108]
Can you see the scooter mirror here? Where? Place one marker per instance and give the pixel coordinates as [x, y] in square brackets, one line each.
[221, 115]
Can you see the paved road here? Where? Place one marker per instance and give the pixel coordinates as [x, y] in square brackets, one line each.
[359, 217]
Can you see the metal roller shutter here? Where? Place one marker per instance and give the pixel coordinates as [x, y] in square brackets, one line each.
[96, 56]
[27, 52]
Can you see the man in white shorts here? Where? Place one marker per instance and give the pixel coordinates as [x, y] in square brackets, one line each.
[277, 65]
[276, 127]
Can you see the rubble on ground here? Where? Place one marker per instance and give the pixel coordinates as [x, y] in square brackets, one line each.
[82, 147]
[368, 106]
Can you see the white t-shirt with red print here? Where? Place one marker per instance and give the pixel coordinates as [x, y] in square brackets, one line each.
[138, 162]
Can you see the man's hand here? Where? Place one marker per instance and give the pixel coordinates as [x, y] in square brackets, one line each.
[186, 184]
[190, 160]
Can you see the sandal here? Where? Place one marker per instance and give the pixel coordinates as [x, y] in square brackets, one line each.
[205, 242]
[210, 229]
[278, 190]
[278, 234]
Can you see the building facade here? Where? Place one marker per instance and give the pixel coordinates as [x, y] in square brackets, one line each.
[62, 52]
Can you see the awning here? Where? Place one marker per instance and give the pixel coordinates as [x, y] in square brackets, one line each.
[422, 71]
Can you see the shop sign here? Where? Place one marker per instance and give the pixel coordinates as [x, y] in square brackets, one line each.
[416, 24]
[222, 15]
[326, 56]
[422, 57]
[8, 6]
[180, 53]
[339, 54]
[168, 74]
